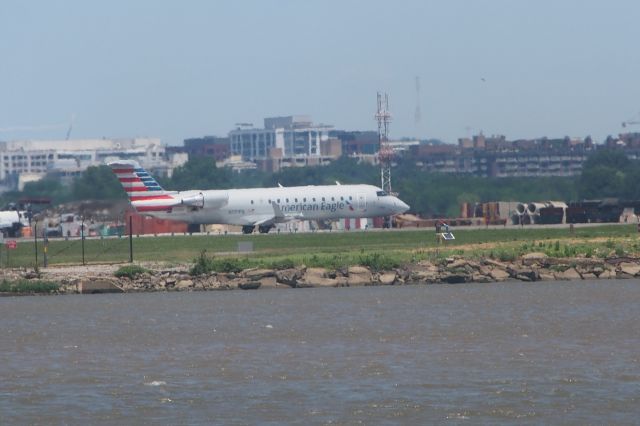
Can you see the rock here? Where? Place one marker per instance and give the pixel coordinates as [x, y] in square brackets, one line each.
[249, 285]
[499, 274]
[458, 263]
[268, 282]
[358, 270]
[607, 274]
[534, 258]
[30, 275]
[589, 276]
[184, 284]
[497, 264]
[546, 276]
[424, 277]
[623, 275]
[632, 269]
[481, 278]
[341, 281]
[388, 278]
[455, 278]
[257, 274]
[359, 276]
[569, 274]
[524, 275]
[357, 280]
[319, 272]
[316, 281]
[316, 277]
[289, 276]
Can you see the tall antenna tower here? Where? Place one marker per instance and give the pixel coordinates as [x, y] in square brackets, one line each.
[418, 114]
[385, 153]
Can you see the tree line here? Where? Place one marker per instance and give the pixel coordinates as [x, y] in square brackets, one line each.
[606, 173]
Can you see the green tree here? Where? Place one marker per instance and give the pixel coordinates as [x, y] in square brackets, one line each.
[97, 183]
[47, 188]
[199, 173]
[604, 174]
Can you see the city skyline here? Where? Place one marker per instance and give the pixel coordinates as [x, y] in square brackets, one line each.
[172, 71]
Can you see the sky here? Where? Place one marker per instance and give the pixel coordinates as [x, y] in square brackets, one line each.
[175, 70]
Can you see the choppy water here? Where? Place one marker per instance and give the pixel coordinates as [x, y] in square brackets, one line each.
[481, 353]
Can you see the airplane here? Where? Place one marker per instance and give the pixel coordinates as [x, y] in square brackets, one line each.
[11, 221]
[251, 207]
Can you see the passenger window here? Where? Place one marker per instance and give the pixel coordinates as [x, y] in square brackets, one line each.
[287, 200]
[296, 200]
[341, 198]
[304, 200]
[314, 199]
[278, 200]
[333, 199]
[350, 198]
[322, 198]
[251, 201]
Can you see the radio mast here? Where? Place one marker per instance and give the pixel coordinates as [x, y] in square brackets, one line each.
[385, 153]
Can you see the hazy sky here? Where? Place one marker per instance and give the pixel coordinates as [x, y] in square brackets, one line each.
[184, 69]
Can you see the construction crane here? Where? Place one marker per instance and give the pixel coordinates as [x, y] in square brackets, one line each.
[630, 123]
[72, 119]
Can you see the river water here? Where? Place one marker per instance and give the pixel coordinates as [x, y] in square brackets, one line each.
[553, 352]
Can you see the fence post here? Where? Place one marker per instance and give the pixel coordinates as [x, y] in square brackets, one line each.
[44, 252]
[35, 240]
[130, 239]
[82, 239]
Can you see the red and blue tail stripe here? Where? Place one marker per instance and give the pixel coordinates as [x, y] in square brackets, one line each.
[144, 192]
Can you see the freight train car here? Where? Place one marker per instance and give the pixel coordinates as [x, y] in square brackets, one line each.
[595, 211]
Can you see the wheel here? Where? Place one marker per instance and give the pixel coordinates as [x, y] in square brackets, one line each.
[264, 229]
[247, 229]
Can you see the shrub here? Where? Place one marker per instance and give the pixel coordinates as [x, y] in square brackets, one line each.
[26, 286]
[204, 264]
[230, 265]
[506, 256]
[377, 262]
[281, 264]
[130, 271]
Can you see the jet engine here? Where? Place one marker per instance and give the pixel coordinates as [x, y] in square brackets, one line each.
[215, 199]
[196, 200]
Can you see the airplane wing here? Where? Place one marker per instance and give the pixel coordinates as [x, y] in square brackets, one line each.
[259, 219]
[277, 217]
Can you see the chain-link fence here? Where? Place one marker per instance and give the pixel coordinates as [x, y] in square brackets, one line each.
[43, 250]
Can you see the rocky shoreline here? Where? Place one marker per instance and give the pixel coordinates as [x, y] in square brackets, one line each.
[531, 267]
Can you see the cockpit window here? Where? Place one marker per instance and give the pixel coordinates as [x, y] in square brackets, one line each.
[381, 194]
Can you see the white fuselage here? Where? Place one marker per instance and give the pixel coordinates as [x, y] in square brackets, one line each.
[258, 206]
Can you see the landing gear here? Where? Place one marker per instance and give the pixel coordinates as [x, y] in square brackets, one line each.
[247, 229]
[386, 224]
[264, 229]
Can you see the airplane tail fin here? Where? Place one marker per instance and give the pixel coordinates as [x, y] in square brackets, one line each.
[139, 185]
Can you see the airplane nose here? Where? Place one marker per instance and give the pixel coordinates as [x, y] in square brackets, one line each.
[400, 205]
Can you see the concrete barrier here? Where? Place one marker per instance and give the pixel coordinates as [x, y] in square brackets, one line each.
[97, 286]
